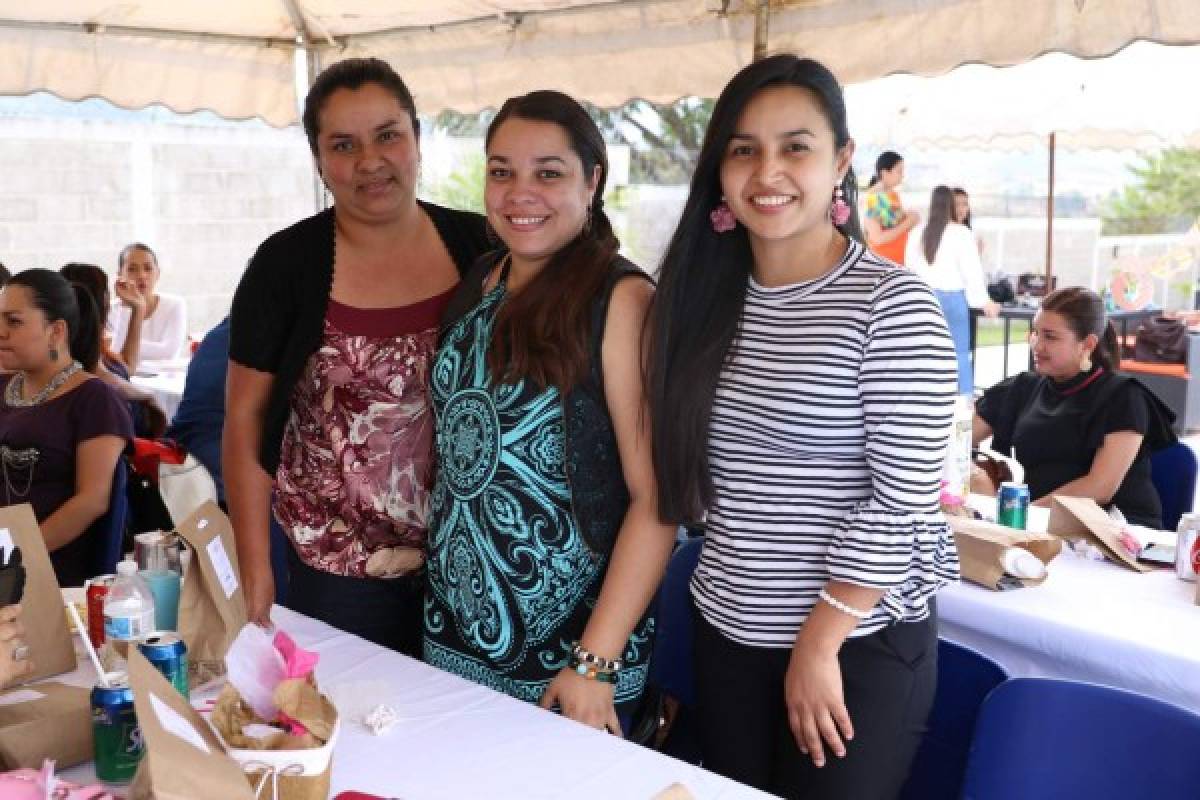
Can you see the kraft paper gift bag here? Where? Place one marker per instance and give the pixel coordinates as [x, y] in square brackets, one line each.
[212, 608]
[49, 720]
[50, 645]
[183, 759]
[981, 546]
[1080, 518]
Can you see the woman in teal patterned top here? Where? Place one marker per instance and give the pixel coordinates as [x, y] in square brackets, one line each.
[540, 357]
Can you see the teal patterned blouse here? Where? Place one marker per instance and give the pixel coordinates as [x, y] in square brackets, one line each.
[511, 579]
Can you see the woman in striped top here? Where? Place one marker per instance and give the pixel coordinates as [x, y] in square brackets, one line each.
[801, 391]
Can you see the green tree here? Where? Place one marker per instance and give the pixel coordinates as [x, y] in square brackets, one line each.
[462, 188]
[1164, 198]
[663, 140]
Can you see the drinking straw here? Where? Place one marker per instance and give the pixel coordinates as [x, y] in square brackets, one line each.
[87, 643]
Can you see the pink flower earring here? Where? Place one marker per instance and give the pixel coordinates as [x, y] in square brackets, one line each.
[722, 218]
[839, 210]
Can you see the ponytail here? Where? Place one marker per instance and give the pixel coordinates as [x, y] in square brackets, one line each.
[1108, 350]
[85, 338]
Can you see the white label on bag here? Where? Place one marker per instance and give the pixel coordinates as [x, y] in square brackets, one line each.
[20, 696]
[174, 722]
[7, 545]
[222, 566]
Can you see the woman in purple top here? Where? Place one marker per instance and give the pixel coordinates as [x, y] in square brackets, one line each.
[61, 429]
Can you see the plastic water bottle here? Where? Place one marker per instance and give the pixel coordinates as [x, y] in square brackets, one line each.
[128, 612]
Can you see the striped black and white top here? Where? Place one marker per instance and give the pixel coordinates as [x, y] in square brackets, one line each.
[829, 429]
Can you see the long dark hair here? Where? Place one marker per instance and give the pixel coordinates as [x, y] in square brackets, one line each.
[887, 160]
[1083, 311]
[541, 333]
[961, 192]
[58, 298]
[941, 214]
[95, 280]
[353, 73]
[702, 286]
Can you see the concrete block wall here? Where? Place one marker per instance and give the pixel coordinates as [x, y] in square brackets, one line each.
[203, 197]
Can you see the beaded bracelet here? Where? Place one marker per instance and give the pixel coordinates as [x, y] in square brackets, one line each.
[588, 657]
[590, 672]
[857, 613]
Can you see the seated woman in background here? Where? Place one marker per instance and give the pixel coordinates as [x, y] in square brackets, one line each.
[149, 420]
[61, 429]
[944, 254]
[146, 326]
[1077, 426]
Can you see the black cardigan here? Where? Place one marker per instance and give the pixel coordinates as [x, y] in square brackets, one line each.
[280, 303]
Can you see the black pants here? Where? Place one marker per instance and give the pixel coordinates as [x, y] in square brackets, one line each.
[888, 677]
[387, 612]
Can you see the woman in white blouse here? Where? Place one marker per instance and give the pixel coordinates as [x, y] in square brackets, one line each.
[145, 325]
[945, 254]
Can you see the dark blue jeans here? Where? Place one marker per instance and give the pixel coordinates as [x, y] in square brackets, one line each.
[386, 612]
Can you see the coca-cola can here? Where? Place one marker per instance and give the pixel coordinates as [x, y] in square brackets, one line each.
[1187, 547]
[97, 590]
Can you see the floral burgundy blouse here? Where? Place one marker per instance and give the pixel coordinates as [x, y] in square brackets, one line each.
[356, 466]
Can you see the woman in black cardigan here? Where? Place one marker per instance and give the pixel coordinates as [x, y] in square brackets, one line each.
[333, 327]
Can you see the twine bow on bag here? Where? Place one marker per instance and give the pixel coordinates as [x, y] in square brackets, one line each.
[271, 773]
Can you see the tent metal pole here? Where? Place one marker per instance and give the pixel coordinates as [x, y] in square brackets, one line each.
[1050, 217]
[312, 69]
[762, 18]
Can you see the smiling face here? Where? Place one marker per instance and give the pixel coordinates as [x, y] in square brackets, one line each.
[1057, 350]
[25, 335]
[140, 268]
[368, 154]
[781, 166]
[537, 193]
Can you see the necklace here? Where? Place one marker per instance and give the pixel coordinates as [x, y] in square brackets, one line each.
[16, 387]
[17, 460]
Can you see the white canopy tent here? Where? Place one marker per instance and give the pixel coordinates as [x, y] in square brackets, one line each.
[236, 57]
[1137, 99]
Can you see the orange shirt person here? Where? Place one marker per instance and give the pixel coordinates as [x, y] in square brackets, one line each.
[887, 223]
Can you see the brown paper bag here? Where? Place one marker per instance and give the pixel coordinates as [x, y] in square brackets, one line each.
[49, 720]
[212, 608]
[46, 633]
[183, 758]
[981, 547]
[1079, 518]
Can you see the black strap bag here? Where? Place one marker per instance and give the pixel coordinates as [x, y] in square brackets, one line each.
[1161, 340]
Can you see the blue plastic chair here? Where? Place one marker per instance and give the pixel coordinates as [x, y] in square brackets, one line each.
[965, 677]
[671, 666]
[1039, 739]
[109, 530]
[1173, 471]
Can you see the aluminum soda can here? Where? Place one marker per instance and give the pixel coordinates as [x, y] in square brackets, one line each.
[167, 652]
[116, 737]
[97, 590]
[1012, 505]
[1187, 547]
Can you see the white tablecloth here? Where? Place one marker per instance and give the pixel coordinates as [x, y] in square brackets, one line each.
[1090, 621]
[459, 740]
[166, 384]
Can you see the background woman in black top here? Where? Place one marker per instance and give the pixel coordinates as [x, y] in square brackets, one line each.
[1077, 426]
[317, 301]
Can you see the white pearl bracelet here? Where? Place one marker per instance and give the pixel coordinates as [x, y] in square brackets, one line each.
[857, 613]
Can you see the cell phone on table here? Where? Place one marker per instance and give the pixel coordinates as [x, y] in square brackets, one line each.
[1158, 554]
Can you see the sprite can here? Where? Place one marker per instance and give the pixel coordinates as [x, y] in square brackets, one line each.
[116, 738]
[167, 652]
[1012, 505]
